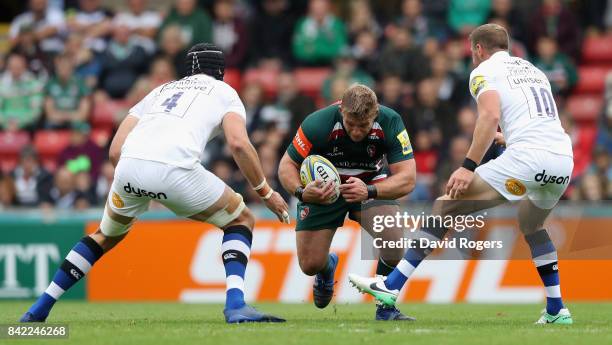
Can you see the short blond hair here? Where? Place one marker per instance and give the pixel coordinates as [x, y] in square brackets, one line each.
[360, 102]
[490, 37]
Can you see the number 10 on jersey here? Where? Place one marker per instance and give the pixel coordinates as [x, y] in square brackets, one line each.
[541, 102]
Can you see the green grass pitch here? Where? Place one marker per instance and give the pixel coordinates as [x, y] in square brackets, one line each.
[339, 324]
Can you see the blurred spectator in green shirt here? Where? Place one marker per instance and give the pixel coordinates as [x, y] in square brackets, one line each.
[557, 66]
[466, 15]
[320, 36]
[20, 95]
[345, 68]
[195, 23]
[66, 96]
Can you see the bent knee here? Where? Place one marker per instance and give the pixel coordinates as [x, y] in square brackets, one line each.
[245, 218]
[311, 267]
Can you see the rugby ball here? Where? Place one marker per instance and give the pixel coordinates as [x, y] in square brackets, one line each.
[316, 167]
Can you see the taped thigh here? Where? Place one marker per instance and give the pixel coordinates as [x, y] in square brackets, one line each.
[111, 227]
[229, 212]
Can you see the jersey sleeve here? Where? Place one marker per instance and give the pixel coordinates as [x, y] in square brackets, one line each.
[233, 102]
[481, 79]
[301, 145]
[397, 140]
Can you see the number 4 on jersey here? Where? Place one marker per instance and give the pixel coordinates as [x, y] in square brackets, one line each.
[171, 101]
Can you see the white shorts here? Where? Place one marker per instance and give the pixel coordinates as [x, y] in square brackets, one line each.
[539, 175]
[184, 191]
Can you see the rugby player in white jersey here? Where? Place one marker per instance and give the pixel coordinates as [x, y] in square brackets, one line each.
[534, 170]
[157, 151]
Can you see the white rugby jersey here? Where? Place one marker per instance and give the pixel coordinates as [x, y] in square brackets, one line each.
[177, 119]
[529, 117]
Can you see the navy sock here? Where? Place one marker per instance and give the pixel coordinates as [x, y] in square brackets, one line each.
[544, 257]
[327, 272]
[236, 250]
[412, 259]
[76, 265]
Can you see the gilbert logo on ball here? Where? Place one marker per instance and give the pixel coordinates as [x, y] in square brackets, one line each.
[315, 167]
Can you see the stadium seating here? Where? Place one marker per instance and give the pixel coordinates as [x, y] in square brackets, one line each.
[233, 78]
[591, 79]
[101, 136]
[11, 144]
[583, 148]
[49, 144]
[267, 78]
[585, 108]
[310, 80]
[597, 50]
[102, 116]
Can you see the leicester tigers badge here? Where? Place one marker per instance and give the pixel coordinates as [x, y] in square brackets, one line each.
[371, 150]
[304, 212]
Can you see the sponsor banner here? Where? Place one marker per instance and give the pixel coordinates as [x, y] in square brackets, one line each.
[181, 261]
[30, 253]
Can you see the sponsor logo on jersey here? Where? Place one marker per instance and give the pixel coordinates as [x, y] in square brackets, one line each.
[515, 187]
[301, 143]
[477, 84]
[117, 201]
[552, 179]
[335, 152]
[304, 212]
[405, 142]
[141, 192]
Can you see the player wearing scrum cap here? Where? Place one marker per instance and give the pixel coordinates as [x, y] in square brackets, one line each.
[356, 135]
[157, 152]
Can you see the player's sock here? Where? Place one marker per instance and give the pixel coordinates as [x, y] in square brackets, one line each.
[76, 265]
[383, 268]
[236, 249]
[328, 271]
[544, 257]
[412, 259]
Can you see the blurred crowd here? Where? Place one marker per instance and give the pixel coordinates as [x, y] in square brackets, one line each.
[71, 62]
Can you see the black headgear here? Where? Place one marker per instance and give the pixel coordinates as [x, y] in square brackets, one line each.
[206, 58]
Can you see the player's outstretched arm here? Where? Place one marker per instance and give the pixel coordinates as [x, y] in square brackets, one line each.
[124, 129]
[489, 108]
[489, 113]
[245, 155]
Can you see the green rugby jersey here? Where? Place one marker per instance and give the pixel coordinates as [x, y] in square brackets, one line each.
[322, 133]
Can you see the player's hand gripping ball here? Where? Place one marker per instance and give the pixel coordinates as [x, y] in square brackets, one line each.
[316, 167]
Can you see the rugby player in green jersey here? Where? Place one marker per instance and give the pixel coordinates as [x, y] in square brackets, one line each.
[357, 135]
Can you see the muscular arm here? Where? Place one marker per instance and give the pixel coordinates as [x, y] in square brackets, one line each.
[124, 129]
[289, 174]
[489, 109]
[400, 183]
[241, 148]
